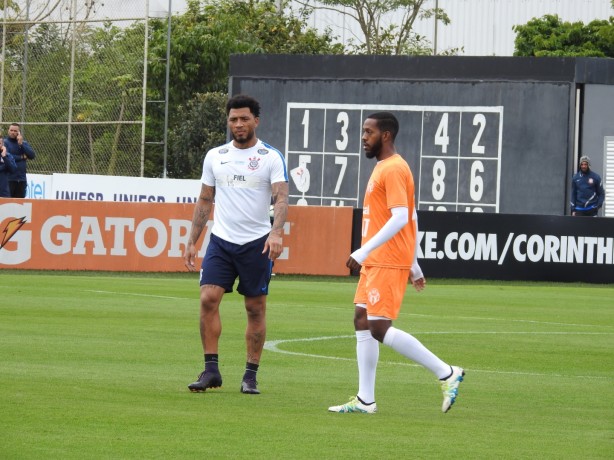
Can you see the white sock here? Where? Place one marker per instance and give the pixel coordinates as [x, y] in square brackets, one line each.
[411, 348]
[367, 355]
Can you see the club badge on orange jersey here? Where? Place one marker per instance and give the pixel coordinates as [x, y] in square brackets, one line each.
[374, 296]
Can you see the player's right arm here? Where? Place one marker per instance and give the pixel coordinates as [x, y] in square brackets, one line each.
[416, 277]
[202, 210]
[398, 220]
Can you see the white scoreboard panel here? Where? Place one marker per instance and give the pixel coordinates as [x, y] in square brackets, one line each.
[455, 154]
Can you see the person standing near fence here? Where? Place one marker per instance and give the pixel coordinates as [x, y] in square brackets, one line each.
[22, 152]
[587, 193]
[386, 260]
[243, 176]
[7, 166]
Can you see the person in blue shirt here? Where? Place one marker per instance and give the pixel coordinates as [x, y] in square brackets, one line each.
[22, 152]
[7, 166]
[587, 193]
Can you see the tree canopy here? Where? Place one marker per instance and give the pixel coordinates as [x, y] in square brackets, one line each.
[387, 25]
[550, 36]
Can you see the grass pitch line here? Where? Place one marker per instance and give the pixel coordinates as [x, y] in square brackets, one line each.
[477, 318]
[529, 321]
[272, 345]
[134, 294]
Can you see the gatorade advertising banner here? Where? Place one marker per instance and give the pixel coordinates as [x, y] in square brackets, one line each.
[151, 237]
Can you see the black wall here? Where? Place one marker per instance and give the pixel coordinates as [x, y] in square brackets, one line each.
[492, 135]
[512, 246]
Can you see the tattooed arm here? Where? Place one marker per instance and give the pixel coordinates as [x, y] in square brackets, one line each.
[199, 221]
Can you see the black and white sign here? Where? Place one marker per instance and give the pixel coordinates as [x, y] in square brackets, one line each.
[516, 247]
[459, 152]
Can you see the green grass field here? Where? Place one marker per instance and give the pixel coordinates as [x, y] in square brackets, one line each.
[96, 366]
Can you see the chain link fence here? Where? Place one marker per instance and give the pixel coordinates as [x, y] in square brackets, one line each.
[73, 75]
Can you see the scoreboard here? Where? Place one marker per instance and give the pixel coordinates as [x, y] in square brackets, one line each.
[454, 153]
[480, 134]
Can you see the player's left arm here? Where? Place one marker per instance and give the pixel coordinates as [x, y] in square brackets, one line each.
[273, 244]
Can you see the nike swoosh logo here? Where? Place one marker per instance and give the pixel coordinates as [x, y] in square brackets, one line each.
[224, 162]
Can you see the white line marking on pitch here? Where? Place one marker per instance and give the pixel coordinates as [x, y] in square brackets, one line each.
[272, 345]
[481, 318]
[137, 295]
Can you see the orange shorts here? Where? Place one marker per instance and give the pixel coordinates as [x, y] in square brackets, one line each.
[382, 290]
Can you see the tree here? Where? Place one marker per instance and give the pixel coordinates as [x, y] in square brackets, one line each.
[387, 25]
[203, 127]
[203, 38]
[550, 36]
[108, 80]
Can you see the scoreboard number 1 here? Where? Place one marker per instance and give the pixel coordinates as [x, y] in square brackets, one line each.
[458, 150]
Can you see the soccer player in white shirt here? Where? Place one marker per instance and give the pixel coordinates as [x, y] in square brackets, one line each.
[242, 175]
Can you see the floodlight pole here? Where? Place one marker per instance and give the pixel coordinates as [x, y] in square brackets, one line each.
[25, 67]
[435, 37]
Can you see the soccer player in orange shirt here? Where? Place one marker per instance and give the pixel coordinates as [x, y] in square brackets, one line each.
[386, 259]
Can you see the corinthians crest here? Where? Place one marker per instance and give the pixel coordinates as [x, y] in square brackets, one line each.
[253, 163]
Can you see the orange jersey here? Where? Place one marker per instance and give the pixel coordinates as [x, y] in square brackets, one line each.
[391, 185]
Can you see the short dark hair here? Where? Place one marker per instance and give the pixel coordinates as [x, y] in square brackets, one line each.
[386, 121]
[242, 100]
[15, 124]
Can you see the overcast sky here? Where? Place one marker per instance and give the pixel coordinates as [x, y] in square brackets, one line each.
[136, 8]
[178, 6]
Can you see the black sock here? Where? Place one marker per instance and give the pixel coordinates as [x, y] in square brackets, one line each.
[366, 404]
[250, 371]
[446, 378]
[211, 362]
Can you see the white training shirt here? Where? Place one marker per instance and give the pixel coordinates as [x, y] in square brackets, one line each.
[242, 179]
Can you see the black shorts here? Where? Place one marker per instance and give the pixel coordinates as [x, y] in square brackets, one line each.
[225, 261]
